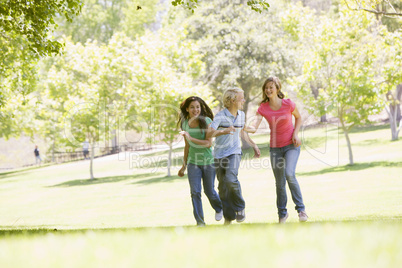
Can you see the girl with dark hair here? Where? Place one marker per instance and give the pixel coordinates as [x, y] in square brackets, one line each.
[284, 144]
[195, 117]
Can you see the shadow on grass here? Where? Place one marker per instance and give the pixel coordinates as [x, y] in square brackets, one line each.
[10, 231]
[355, 167]
[105, 180]
[363, 129]
[20, 171]
[367, 142]
[160, 179]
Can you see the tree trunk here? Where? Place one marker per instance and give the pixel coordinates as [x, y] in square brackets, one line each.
[169, 163]
[346, 132]
[398, 96]
[92, 159]
[394, 112]
[53, 146]
[392, 115]
[114, 142]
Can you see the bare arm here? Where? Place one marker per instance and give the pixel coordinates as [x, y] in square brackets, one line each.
[298, 122]
[183, 168]
[204, 143]
[253, 128]
[244, 136]
[216, 133]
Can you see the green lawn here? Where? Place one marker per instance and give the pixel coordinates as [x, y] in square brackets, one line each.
[134, 216]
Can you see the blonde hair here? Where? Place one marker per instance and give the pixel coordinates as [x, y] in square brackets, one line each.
[230, 95]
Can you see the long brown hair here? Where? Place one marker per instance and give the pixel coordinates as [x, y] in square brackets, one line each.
[278, 86]
[205, 112]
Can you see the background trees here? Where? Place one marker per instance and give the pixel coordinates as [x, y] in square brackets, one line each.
[123, 58]
[25, 28]
[240, 47]
[342, 73]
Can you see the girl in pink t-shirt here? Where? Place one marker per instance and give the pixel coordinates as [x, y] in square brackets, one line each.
[284, 144]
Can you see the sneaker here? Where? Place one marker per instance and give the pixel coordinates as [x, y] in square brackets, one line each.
[227, 222]
[302, 216]
[219, 215]
[283, 219]
[241, 215]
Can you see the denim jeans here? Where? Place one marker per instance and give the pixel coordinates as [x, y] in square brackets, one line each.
[229, 186]
[206, 173]
[283, 163]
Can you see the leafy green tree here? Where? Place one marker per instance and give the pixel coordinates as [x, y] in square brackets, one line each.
[257, 5]
[138, 16]
[100, 20]
[240, 47]
[70, 101]
[25, 28]
[96, 88]
[342, 67]
[391, 77]
[170, 64]
[378, 7]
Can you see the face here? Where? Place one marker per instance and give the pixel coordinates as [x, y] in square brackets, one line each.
[239, 102]
[194, 109]
[271, 90]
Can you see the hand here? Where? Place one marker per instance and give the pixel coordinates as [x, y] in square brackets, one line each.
[296, 141]
[181, 171]
[229, 130]
[185, 134]
[257, 152]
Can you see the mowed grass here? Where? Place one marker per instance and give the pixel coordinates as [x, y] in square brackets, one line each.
[132, 215]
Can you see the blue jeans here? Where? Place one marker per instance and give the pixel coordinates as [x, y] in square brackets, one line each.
[283, 163]
[206, 173]
[229, 186]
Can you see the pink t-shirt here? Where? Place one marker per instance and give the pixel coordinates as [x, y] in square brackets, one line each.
[280, 122]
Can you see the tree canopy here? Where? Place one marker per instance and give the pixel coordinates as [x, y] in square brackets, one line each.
[25, 28]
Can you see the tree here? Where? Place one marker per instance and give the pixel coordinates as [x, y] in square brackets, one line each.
[100, 20]
[24, 37]
[240, 47]
[170, 65]
[258, 5]
[96, 87]
[391, 77]
[378, 7]
[342, 65]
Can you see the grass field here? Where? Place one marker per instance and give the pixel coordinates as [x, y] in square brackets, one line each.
[132, 215]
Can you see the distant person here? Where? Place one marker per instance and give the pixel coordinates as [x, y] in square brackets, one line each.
[284, 144]
[85, 149]
[38, 160]
[228, 128]
[195, 117]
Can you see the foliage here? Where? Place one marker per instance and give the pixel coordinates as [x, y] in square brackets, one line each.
[34, 19]
[100, 20]
[340, 70]
[378, 7]
[256, 5]
[391, 77]
[25, 28]
[240, 47]
[94, 89]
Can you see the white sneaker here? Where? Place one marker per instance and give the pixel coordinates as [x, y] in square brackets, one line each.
[219, 215]
[302, 216]
[283, 219]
